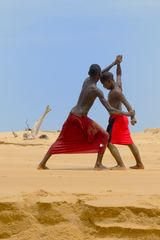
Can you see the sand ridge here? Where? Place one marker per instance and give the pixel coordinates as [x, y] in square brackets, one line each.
[44, 215]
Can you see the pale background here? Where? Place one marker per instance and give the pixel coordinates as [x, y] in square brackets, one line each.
[46, 48]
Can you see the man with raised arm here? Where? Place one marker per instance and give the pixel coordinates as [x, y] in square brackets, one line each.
[118, 124]
[79, 133]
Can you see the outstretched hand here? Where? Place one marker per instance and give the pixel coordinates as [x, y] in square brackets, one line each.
[118, 59]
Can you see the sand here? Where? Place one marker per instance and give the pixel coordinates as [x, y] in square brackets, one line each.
[71, 201]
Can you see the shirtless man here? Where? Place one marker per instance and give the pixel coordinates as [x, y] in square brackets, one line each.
[79, 133]
[118, 125]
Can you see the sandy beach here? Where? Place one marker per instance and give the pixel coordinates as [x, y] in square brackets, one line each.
[71, 201]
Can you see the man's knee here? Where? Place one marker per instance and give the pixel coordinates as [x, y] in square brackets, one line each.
[102, 148]
[106, 137]
[111, 146]
[104, 143]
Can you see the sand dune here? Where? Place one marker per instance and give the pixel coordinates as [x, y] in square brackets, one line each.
[73, 201]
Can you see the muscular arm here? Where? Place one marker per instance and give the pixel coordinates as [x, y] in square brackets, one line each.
[109, 108]
[123, 99]
[109, 67]
[125, 102]
[118, 76]
[117, 61]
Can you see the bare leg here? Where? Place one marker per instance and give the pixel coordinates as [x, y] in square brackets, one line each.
[98, 164]
[42, 165]
[38, 123]
[136, 154]
[115, 153]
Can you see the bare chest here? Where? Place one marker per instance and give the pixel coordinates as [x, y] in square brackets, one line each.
[114, 100]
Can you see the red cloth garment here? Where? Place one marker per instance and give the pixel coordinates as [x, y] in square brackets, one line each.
[80, 134]
[118, 130]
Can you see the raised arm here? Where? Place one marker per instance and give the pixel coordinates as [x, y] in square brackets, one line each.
[109, 108]
[109, 67]
[118, 76]
[116, 61]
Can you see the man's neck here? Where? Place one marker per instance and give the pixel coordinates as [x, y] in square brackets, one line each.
[95, 80]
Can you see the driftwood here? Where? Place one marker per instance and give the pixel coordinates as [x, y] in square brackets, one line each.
[35, 130]
[14, 134]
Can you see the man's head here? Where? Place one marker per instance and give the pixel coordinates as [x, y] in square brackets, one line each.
[107, 80]
[95, 71]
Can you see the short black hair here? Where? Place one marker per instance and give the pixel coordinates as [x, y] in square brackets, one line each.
[106, 76]
[94, 69]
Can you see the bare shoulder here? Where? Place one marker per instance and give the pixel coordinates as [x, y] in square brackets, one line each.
[117, 92]
[99, 92]
[117, 89]
[95, 88]
[86, 81]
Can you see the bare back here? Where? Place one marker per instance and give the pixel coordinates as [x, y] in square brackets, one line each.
[87, 97]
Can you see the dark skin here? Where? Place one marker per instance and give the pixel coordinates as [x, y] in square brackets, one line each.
[116, 99]
[88, 94]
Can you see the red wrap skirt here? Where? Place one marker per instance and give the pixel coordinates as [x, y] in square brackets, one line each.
[80, 134]
[118, 130]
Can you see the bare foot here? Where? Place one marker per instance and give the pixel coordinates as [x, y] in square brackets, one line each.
[117, 167]
[100, 167]
[42, 167]
[138, 166]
